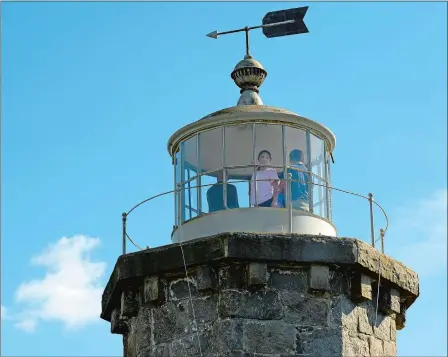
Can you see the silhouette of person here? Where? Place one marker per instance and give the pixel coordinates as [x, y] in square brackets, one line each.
[215, 195]
[299, 184]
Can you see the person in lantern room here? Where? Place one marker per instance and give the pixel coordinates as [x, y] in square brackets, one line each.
[266, 181]
[299, 184]
[215, 195]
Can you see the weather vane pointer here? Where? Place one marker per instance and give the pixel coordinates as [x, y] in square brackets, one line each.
[274, 24]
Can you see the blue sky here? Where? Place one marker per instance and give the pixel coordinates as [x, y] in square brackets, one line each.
[91, 93]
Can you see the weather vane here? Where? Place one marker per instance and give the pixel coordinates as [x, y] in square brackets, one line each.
[274, 24]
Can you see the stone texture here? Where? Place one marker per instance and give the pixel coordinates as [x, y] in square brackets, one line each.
[319, 277]
[361, 287]
[258, 305]
[290, 280]
[250, 247]
[152, 290]
[393, 330]
[190, 347]
[206, 278]
[319, 342]
[304, 310]
[389, 300]
[389, 348]
[181, 289]
[364, 322]
[344, 315]
[229, 334]
[272, 337]
[401, 320]
[232, 276]
[376, 347]
[257, 296]
[355, 347]
[141, 328]
[117, 323]
[339, 282]
[257, 274]
[129, 303]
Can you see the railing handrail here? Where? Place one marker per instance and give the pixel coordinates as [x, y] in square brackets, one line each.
[233, 167]
[327, 185]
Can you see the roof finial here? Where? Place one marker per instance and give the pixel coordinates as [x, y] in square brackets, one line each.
[249, 75]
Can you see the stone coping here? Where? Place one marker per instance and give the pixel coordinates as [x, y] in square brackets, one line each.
[273, 248]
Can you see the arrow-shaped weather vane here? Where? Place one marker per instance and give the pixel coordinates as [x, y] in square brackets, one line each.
[274, 24]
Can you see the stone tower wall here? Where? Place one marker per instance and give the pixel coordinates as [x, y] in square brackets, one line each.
[250, 309]
[245, 307]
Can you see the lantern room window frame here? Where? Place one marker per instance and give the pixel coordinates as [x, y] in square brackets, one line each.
[190, 178]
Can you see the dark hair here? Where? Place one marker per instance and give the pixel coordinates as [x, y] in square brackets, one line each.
[296, 155]
[263, 152]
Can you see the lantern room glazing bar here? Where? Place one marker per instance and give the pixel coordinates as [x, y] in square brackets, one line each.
[285, 171]
[254, 149]
[310, 171]
[224, 163]
[199, 177]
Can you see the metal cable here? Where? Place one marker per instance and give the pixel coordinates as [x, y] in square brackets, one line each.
[189, 289]
[378, 290]
[135, 244]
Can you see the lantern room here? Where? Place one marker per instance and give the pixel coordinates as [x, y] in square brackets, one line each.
[252, 168]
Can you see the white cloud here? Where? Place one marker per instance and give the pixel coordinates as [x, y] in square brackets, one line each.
[27, 325]
[418, 234]
[70, 291]
[3, 312]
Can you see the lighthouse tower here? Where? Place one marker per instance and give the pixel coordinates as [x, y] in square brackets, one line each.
[256, 267]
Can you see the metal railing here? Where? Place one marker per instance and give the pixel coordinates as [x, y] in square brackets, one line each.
[181, 187]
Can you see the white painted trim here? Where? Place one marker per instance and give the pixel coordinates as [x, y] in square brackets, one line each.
[254, 220]
[247, 114]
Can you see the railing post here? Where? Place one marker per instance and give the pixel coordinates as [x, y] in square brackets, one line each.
[124, 216]
[179, 204]
[372, 229]
[255, 158]
[289, 197]
[382, 240]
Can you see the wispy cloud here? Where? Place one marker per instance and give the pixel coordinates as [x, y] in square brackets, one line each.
[27, 325]
[70, 291]
[418, 234]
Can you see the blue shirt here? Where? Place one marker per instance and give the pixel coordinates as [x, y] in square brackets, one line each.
[299, 184]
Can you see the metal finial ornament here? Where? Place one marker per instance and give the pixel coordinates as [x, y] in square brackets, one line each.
[249, 74]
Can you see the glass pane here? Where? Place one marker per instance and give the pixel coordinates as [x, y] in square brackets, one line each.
[210, 184]
[177, 174]
[268, 138]
[269, 157]
[296, 155]
[215, 197]
[239, 149]
[190, 181]
[295, 139]
[319, 197]
[300, 184]
[240, 181]
[317, 156]
[330, 192]
[211, 150]
[210, 161]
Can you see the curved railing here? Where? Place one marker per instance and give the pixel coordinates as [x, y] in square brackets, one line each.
[181, 187]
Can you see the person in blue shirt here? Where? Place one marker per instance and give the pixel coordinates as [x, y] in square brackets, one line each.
[215, 195]
[299, 184]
